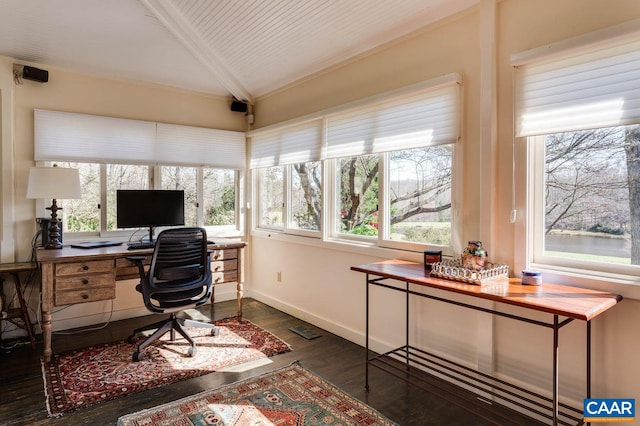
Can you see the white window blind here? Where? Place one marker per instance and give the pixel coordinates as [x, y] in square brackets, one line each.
[64, 136]
[593, 87]
[199, 146]
[289, 145]
[428, 117]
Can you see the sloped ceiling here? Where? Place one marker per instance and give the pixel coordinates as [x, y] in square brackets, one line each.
[241, 48]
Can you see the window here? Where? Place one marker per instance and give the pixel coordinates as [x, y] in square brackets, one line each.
[113, 153]
[591, 189]
[306, 196]
[388, 161]
[420, 195]
[271, 207]
[220, 197]
[185, 179]
[578, 110]
[358, 195]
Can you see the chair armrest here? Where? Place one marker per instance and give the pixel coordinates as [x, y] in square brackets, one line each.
[139, 262]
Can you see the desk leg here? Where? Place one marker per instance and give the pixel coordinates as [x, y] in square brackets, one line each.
[589, 360]
[23, 307]
[406, 328]
[240, 293]
[555, 370]
[366, 341]
[46, 305]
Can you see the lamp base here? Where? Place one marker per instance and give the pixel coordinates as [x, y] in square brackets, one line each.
[54, 229]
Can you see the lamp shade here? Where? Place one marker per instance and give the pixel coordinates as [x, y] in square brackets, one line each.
[54, 182]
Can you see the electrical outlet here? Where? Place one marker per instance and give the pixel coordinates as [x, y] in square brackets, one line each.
[279, 277]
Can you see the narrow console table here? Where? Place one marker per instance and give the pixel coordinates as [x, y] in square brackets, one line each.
[564, 304]
[74, 275]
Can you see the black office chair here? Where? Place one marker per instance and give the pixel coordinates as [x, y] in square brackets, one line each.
[179, 278]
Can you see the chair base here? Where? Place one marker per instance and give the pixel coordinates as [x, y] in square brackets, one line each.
[171, 325]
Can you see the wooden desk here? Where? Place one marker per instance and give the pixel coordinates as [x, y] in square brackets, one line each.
[75, 275]
[564, 303]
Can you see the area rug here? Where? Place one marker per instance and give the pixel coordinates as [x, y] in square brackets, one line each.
[288, 396]
[99, 373]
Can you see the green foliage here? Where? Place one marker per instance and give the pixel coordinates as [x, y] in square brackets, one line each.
[366, 230]
[606, 229]
[223, 212]
[439, 235]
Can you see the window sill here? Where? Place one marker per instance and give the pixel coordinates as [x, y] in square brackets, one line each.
[354, 247]
[625, 285]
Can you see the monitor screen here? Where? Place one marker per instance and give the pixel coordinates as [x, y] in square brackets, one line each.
[149, 208]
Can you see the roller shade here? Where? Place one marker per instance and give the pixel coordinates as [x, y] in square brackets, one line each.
[289, 145]
[199, 146]
[64, 136]
[430, 117]
[595, 87]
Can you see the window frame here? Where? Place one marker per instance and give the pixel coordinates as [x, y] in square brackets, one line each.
[155, 182]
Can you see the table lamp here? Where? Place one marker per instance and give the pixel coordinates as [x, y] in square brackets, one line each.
[55, 183]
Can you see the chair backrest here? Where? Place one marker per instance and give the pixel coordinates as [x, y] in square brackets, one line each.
[180, 273]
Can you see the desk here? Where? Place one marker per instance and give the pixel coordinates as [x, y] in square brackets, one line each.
[564, 304]
[74, 275]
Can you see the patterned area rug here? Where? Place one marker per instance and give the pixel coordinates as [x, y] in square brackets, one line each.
[289, 396]
[87, 376]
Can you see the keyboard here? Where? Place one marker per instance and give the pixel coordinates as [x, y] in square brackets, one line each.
[140, 245]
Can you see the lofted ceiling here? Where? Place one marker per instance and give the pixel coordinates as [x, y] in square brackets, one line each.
[241, 48]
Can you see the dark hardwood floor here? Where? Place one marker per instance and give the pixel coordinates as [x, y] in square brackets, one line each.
[337, 360]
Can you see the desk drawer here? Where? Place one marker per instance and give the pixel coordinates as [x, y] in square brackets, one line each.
[83, 296]
[90, 267]
[225, 254]
[82, 282]
[224, 277]
[224, 265]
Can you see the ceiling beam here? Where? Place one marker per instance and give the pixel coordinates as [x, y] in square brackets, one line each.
[171, 17]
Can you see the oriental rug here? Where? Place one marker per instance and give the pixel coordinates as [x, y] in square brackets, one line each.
[288, 396]
[84, 377]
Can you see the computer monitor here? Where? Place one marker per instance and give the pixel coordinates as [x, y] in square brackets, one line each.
[149, 208]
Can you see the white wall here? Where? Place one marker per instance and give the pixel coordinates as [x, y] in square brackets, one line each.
[317, 284]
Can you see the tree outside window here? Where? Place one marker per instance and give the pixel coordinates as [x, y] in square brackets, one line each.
[272, 197]
[592, 195]
[306, 196]
[420, 195]
[219, 203]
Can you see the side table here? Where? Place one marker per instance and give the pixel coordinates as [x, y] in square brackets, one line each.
[17, 316]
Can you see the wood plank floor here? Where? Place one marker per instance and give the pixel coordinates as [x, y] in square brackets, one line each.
[329, 356]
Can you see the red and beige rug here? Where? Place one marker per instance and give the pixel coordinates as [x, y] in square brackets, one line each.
[87, 376]
[291, 396]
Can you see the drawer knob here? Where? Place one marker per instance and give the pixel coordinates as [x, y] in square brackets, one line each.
[85, 281]
[217, 269]
[85, 267]
[85, 296]
[217, 279]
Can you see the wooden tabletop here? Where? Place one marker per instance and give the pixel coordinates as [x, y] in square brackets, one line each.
[567, 301]
[8, 268]
[68, 253]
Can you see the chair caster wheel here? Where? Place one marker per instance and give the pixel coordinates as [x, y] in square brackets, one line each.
[191, 351]
[137, 356]
[215, 331]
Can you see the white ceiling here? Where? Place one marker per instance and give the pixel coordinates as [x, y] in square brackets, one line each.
[244, 48]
